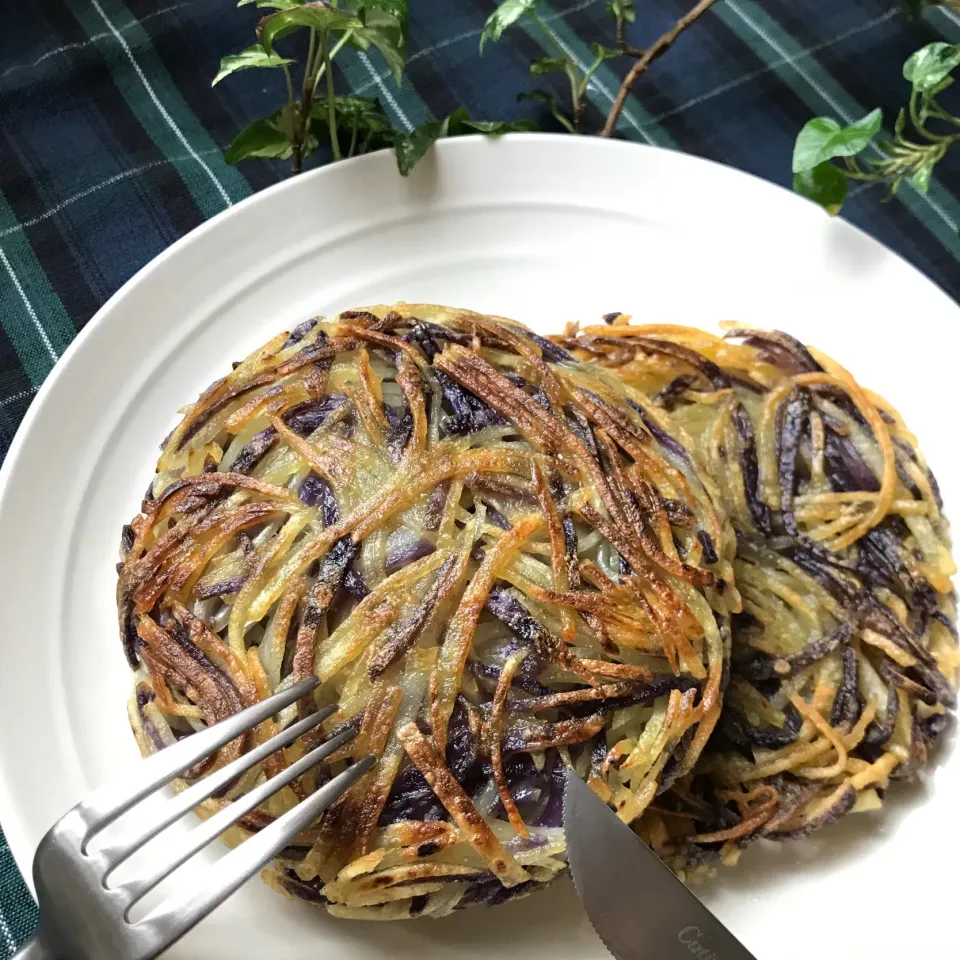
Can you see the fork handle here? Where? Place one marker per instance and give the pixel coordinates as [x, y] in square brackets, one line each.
[33, 949]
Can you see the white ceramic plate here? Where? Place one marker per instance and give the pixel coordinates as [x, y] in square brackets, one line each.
[545, 229]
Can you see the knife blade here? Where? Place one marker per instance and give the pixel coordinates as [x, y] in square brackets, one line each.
[640, 910]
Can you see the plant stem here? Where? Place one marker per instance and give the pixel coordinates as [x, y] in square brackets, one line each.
[659, 48]
[353, 136]
[321, 67]
[339, 45]
[860, 175]
[331, 102]
[306, 101]
[576, 97]
[311, 65]
[917, 122]
[578, 94]
[942, 114]
[591, 70]
[318, 64]
[622, 39]
[549, 34]
[296, 158]
[289, 78]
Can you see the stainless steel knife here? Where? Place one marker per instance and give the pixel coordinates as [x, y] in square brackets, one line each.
[640, 910]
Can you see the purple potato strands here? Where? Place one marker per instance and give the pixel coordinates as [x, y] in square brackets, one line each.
[414, 504]
[844, 655]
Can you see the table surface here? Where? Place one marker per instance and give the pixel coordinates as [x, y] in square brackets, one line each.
[111, 140]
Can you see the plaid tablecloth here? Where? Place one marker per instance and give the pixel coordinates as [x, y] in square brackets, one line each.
[111, 140]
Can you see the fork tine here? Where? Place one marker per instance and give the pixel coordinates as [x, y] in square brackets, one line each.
[172, 919]
[185, 801]
[109, 802]
[210, 829]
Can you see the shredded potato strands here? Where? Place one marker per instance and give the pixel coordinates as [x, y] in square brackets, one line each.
[499, 564]
[844, 655]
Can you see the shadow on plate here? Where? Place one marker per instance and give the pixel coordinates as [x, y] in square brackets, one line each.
[768, 865]
[523, 927]
[553, 917]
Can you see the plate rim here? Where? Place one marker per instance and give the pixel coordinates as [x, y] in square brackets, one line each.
[10, 808]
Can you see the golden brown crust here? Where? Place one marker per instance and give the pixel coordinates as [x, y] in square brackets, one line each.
[844, 659]
[396, 501]
[455, 800]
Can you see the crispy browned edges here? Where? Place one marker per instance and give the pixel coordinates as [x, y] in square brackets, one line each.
[487, 556]
[844, 657]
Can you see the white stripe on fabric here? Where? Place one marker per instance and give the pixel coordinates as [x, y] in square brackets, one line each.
[387, 95]
[28, 305]
[116, 178]
[754, 74]
[791, 60]
[97, 36]
[13, 398]
[11, 944]
[787, 59]
[950, 14]
[156, 101]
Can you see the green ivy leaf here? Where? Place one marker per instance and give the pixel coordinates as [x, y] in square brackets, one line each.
[622, 10]
[824, 184]
[931, 64]
[457, 123]
[900, 123]
[267, 137]
[254, 56]
[603, 53]
[410, 147]
[552, 103]
[363, 110]
[313, 16]
[388, 35]
[398, 9]
[823, 138]
[920, 178]
[544, 65]
[272, 4]
[505, 15]
[360, 121]
[496, 128]
[384, 27]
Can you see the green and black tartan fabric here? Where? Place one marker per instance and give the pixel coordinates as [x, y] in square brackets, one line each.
[111, 139]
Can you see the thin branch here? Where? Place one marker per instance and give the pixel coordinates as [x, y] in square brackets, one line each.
[548, 33]
[622, 39]
[291, 100]
[576, 96]
[306, 99]
[579, 102]
[331, 100]
[659, 48]
[296, 162]
[340, 44]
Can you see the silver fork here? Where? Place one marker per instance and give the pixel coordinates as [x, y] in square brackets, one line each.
[82, 918]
